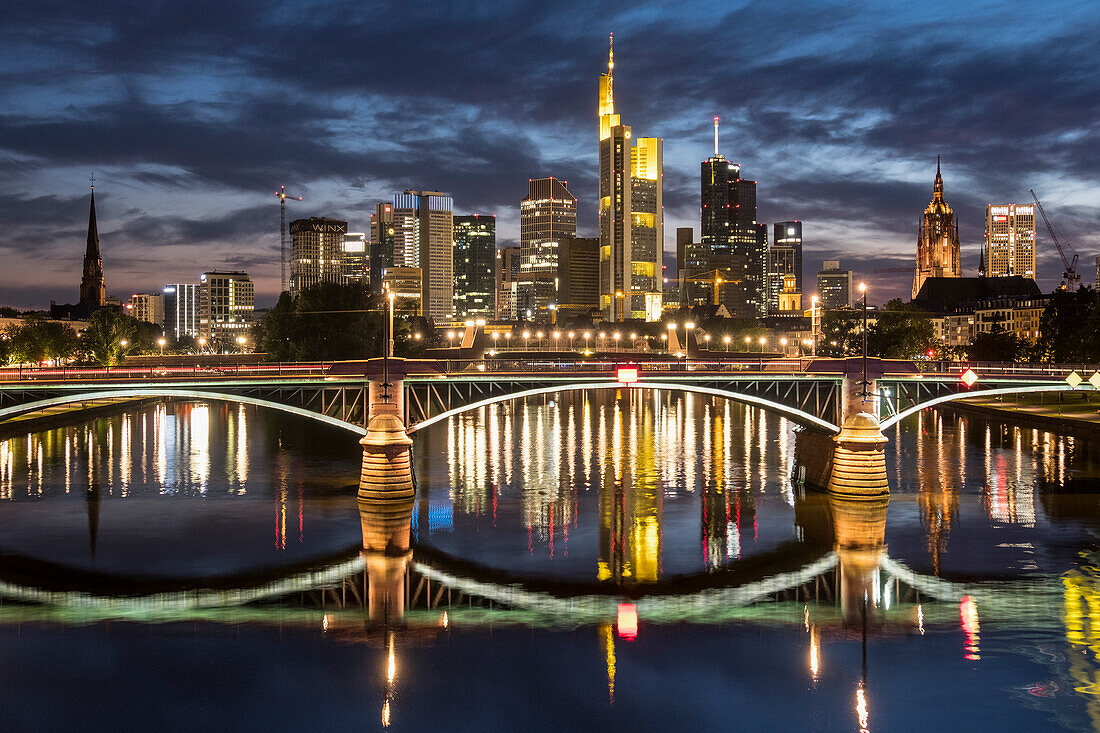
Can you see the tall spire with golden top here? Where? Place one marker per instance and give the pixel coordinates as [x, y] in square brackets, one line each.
[608, 118]
[937, 187]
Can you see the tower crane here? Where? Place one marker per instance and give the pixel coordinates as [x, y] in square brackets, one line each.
[1070, 278]
[281, 194]
[711, 277]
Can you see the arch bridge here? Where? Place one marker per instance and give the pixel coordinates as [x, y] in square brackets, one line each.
[819, 397]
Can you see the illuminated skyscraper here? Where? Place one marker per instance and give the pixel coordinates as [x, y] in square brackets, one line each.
[425, 230]
[354, 262]
[631, 214]
[784, 261]
[937, 239]
[1009, 247]
[317, 252]
[226, 306]
[547, 215]
[737, 244]
[507, 306]
[475, 246]
[834, 286]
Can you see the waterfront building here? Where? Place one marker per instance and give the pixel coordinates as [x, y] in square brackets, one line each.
[730, 233]
[317, 252]
[355, 263]
[226, 306]
[578, 275]
[631, 189]
[1009, 247]
[834, 285]
[937, 239]
[547, 215]
[475, 246]
[148, 307]
[181, 310]
[424, 230]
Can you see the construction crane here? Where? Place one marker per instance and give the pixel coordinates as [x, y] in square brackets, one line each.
[1070, 278]
[282, 196]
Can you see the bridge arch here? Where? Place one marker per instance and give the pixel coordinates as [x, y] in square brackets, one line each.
[895, 419]
[7, 412]
[798, 416]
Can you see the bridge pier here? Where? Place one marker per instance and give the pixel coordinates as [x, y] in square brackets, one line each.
[386, 474]
[858, 468]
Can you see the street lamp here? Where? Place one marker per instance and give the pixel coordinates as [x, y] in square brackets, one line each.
[202, 344]
[814, 300]
[161, 342]
[389, 345]
[783, 343]
[587, 335]
[762, 342]
[863, 289]
[727, 339]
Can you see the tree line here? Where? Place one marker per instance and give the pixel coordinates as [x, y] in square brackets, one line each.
[109, 337]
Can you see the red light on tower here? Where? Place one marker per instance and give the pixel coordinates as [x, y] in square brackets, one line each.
[627, 375]
[627, 621]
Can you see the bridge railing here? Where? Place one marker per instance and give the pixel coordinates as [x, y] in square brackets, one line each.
[994, 368]
[542, 366]
[34, 373]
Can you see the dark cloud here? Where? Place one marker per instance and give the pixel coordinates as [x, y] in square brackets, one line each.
[195, 112]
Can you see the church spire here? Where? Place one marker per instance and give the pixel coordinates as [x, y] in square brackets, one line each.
[937, 188]
[93, 292]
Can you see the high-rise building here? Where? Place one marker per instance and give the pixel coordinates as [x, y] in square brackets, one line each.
[406, 285]
[937, 239]
[631, 196]
[93, 291]
[736, 242]
[226, 305]
[423, 223]
[148, 307]
[834, 286]
[1009, 247]
[475, 247]
[579, 274]
[784, 261]
[1097, 281]
[317, 252]
[355, 263]
[181, 310]
[547, 215]
[507, 305]
[383, 239]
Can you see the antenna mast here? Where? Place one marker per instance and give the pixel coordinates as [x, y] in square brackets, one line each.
[716, 136]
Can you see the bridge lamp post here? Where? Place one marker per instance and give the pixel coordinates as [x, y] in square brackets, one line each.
[389, 344]
[813, 324]
[863, 384]
[526, 339]
[763, 342]
[587, 335]
[783, 343]
[202, 344]
[538, 339]
[161, 342]
[727, 340]
[748, 343]
[616, 336]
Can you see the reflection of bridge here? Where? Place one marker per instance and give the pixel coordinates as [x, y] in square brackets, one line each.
[821, 398]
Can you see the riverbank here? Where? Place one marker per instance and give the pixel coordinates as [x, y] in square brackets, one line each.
[1070, 413]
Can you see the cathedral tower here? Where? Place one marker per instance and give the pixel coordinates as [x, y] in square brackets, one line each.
[937, 239]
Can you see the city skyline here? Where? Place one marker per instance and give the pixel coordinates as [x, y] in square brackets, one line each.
[186, 158]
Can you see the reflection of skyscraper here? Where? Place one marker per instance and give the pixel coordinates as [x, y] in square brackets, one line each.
[631, 198]
[937, 239]
[547, 216]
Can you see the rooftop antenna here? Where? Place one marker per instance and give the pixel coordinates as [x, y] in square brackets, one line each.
[716, 136]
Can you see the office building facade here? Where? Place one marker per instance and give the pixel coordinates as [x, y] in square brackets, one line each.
[226, 306]
[181, 310]
[1009, 246]
[547, 215]
[475, 246]
[148, 307]
[834, 285]
[424, 231]
[317, 252]
[579, 275]
[355, 262]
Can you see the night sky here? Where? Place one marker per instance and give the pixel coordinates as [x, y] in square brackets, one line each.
[191, 114]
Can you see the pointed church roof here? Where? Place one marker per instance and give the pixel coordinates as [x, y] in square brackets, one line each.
[92, 253]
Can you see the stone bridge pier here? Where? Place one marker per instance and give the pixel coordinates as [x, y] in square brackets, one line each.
[857, 466]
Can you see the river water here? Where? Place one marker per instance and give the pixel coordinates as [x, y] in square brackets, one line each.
[624, 561]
